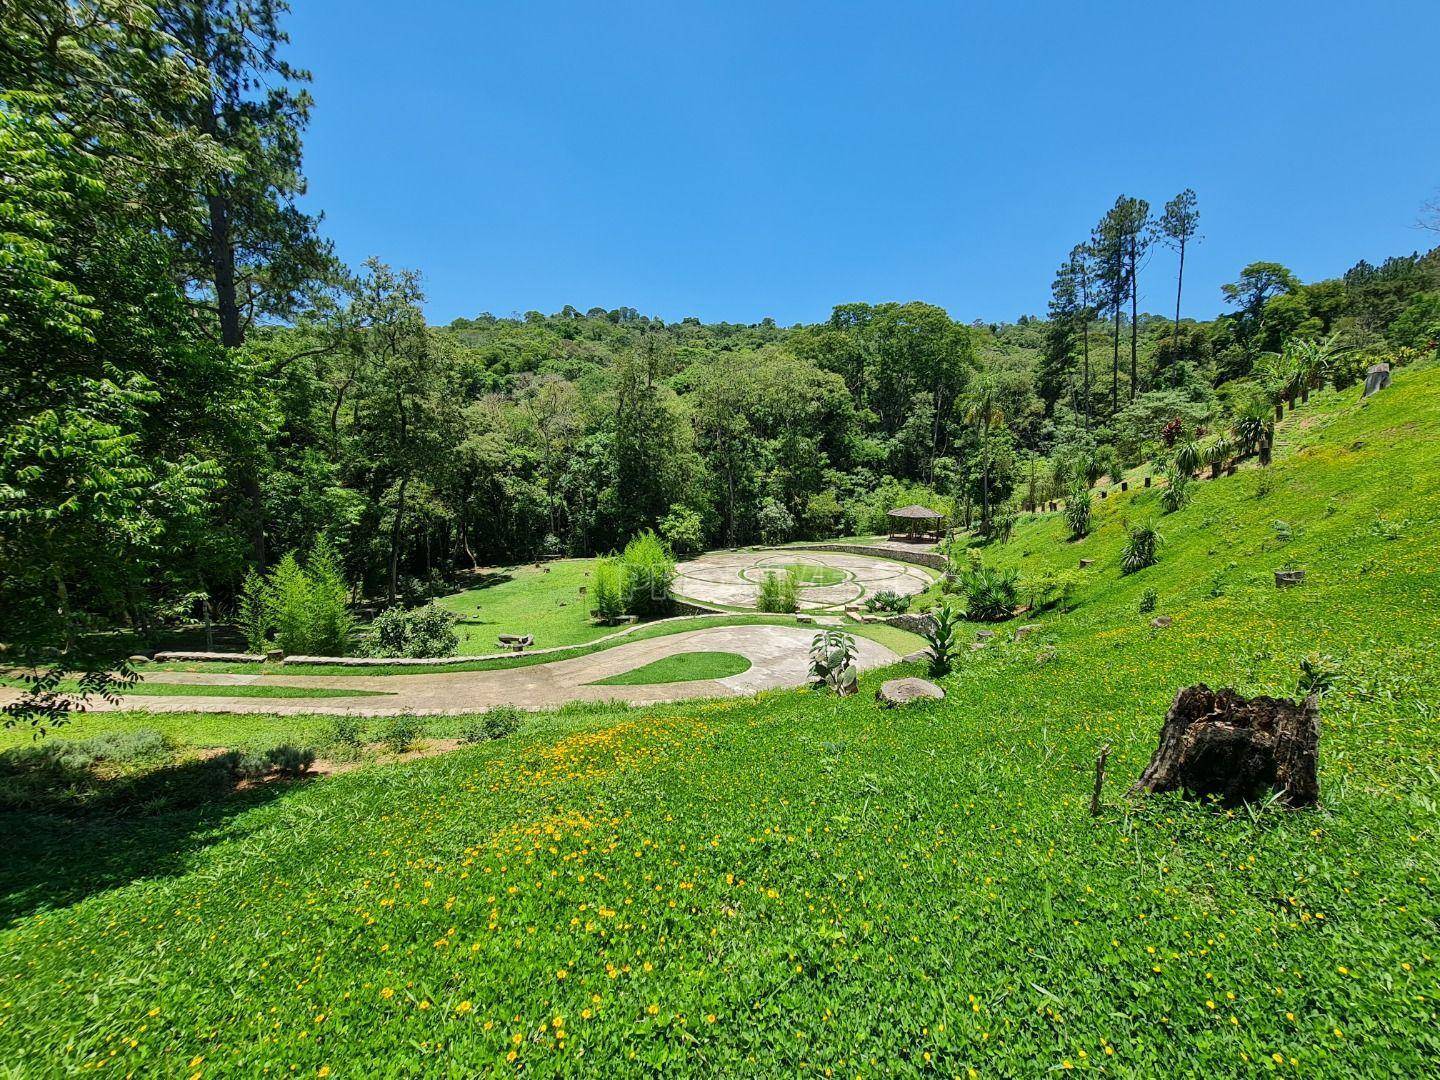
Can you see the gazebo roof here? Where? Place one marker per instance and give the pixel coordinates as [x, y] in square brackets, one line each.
[915, 512]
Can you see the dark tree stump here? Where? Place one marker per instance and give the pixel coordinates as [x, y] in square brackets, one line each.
[1217, 743]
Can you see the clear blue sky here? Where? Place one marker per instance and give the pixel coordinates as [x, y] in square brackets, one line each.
[735, 160]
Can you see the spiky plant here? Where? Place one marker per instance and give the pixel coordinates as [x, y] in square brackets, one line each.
[1141, 548]
[1077, 510]
[941, 634]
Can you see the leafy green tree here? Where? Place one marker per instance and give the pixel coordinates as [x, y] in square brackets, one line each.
[1179, 225]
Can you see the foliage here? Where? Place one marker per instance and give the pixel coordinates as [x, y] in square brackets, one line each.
[1318, 674]
[607, 591]
[290, 760]
[401, 732]
[647, 571]
[886, 600]
[1141, 548]
[418, 632]
[1177, 492]
[779, 592]
[1149, 601]
[497, 723]
[1078, 509]
[941, 634]
[683, 530]
[989, 592]
[832, 662]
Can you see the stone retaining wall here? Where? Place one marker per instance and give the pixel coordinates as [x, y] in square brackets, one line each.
[933, 559]
[919, 623]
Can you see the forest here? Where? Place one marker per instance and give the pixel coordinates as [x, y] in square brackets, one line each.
[192, 385]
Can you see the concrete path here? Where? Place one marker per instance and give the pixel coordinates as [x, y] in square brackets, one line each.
[732, 578]
[778, 657]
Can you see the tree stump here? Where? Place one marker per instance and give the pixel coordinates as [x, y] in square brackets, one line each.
[1377, 377]
[1288, 579]
[1236, 749]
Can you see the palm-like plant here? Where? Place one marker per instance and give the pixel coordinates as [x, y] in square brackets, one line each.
[1254, 429]
[1216, 452]
[1077, 510]
[1187, 456]
[1177, 491]
[940, 635]
[1141, 548]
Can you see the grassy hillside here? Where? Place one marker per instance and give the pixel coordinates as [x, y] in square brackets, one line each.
[798, 884]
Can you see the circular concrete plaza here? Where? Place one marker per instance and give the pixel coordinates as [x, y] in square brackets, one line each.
[828, 579]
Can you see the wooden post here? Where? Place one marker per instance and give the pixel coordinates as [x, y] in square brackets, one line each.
[1099, 780]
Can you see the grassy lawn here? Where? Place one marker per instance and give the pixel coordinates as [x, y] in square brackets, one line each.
[810, 573]
[543, 601]
[900, 642]
[145, 688]
[800, 884]
[682, 667]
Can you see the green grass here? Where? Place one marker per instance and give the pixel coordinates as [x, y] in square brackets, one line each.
[682, 667]
[900, 642]
[808, 574]
[543, 601]
[145, 688]
[794, 884]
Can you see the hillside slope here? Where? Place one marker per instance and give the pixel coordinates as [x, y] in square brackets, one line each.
[797, 884]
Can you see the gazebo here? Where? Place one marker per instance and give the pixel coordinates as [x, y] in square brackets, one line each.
[916, 523]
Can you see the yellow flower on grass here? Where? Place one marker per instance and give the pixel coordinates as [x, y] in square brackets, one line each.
[463, 1007]
[324, 1070]
[387, 993]
[653, 1009]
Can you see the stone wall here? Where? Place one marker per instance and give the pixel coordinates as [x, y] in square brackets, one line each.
[933, 559]
[918, 623]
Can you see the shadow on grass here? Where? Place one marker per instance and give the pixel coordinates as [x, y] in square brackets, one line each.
[56, 858]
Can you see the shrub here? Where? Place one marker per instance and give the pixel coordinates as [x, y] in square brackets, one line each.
[941, 634]
[1149, 601]
[990, 593]
[885, 600]
[832, 662]
[1078, 510]
[247, 764]
[291, 760]
[1141, 547]
[607, 591]
[779, 592]
[646, 571]
[683, 530]
[495, 723]
[550, 547]
[775, 521]
[1049, 588]
[306, 608]
[346, 738]
[402, 732]
[420, 632]
[1187, 457]
[1176, 495]
[1318, 672]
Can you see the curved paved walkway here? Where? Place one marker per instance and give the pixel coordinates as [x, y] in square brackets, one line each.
[778, 657]
[732, 578]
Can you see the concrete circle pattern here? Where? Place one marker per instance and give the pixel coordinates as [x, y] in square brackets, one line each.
[732, 578]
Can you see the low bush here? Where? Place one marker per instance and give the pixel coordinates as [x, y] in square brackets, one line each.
[885, 600]
[1149, 601]
[346, 738]
[290, 760]
[402, 732]
[941, 634]
[305, 608]
[779, 592]
[607, 591]
[1078, 510]
[989, 593]
[832, 662]
[1141, 548]
[496, 723]
[647, 570]
[418, 632]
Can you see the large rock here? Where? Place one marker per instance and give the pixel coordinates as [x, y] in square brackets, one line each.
[903, 691]
[1236, 749]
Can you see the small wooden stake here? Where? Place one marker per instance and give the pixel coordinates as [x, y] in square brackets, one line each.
[1099, 780]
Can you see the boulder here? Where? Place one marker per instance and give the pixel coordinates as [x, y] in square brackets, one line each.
[1022, 632]
[1161, 622]
[1216, 743]
[138, 658]
[984, 635]
[895, 692]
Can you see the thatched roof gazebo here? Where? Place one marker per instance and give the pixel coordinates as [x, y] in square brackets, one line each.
[916, 523]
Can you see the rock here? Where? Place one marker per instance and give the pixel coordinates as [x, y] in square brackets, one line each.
[1288, 579]
[1021, 632]
[138, 658]
[976, 645]
[207, 657]
[984, 635]
[895, 692]
[1377, 377]
[1217, 743]
[1084, 563]
[1161, 622]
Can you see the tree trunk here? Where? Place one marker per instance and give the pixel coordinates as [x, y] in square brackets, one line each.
[1134, 316]
[1218, 744]
[395, 539]
[1179, 284]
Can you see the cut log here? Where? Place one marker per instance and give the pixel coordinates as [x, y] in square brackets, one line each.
[1216, 743]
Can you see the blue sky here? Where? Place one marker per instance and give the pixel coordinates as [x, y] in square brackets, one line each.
[735, 160]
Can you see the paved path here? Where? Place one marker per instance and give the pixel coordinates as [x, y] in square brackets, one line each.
[732, 578]
[778, 657]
